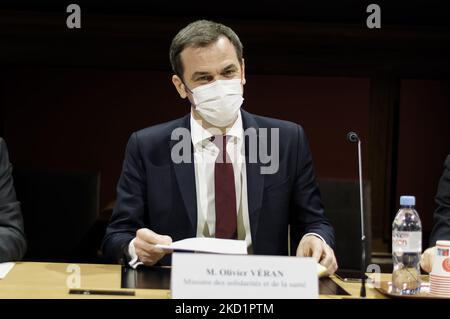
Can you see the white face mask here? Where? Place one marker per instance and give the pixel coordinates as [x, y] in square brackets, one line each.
[218, 102]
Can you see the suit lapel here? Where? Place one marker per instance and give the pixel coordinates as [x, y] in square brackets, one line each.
[185, 175]
[255, 180]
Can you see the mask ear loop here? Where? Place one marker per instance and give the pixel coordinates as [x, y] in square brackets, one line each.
[187, 89]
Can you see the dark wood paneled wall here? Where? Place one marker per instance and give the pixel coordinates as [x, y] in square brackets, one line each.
[383, 140]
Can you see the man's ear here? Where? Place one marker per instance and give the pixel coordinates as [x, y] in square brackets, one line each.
[179, 85]
[243, 72]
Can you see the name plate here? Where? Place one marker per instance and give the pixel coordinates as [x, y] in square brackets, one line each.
[211, 276]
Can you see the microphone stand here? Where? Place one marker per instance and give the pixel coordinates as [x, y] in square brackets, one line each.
[363, 234]
[353, 137]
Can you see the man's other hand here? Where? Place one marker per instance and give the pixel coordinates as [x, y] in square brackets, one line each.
[312, 246]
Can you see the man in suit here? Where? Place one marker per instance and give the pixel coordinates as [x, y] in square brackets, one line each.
[12, 238]
[219, 188]
[441, 229]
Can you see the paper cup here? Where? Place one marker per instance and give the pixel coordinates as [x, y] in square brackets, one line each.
[441, 261]
[440, 274]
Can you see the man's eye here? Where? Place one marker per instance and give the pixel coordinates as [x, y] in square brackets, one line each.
[229, 72]
[203, 78]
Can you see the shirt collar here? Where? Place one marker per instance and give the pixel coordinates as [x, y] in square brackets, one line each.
[199, 134]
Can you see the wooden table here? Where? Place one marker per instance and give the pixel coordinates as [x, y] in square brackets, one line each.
[49, 281]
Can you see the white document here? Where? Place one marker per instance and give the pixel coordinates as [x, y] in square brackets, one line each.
[5, 268]
[209, 245]
[206, 276]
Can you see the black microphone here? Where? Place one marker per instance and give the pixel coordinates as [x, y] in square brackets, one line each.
[352, 137]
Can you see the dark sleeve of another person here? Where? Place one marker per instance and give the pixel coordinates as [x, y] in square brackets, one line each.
[441, 229]
[12, 237]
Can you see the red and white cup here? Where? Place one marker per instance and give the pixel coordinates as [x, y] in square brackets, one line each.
[440, 273]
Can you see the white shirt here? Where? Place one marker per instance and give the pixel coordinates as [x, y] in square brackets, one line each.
[205, 154]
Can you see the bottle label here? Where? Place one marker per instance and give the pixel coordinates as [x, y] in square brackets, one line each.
[407, 242]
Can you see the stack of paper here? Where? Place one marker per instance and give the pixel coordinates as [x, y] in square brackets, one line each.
[208, 245]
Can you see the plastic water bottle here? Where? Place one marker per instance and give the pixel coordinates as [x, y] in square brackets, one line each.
[406, 248]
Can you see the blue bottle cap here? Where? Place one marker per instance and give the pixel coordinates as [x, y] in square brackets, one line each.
[407, 200]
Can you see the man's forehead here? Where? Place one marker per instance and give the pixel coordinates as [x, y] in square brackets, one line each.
[219, 54]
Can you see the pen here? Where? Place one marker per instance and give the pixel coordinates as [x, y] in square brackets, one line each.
[101, 292]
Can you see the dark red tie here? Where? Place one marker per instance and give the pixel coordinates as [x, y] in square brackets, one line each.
[225, 192]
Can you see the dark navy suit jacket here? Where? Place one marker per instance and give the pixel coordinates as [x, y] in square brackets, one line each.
[156, 193]
[12, 237]
[441, 229]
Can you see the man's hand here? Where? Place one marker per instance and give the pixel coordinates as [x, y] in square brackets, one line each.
[426, 262]
[145, 246]
[312, 246]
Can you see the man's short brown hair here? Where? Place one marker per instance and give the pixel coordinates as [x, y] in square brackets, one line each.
[200, 33]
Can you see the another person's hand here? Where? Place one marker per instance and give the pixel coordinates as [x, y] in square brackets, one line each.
[312, 246]
[144, 245]
[426, 261]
